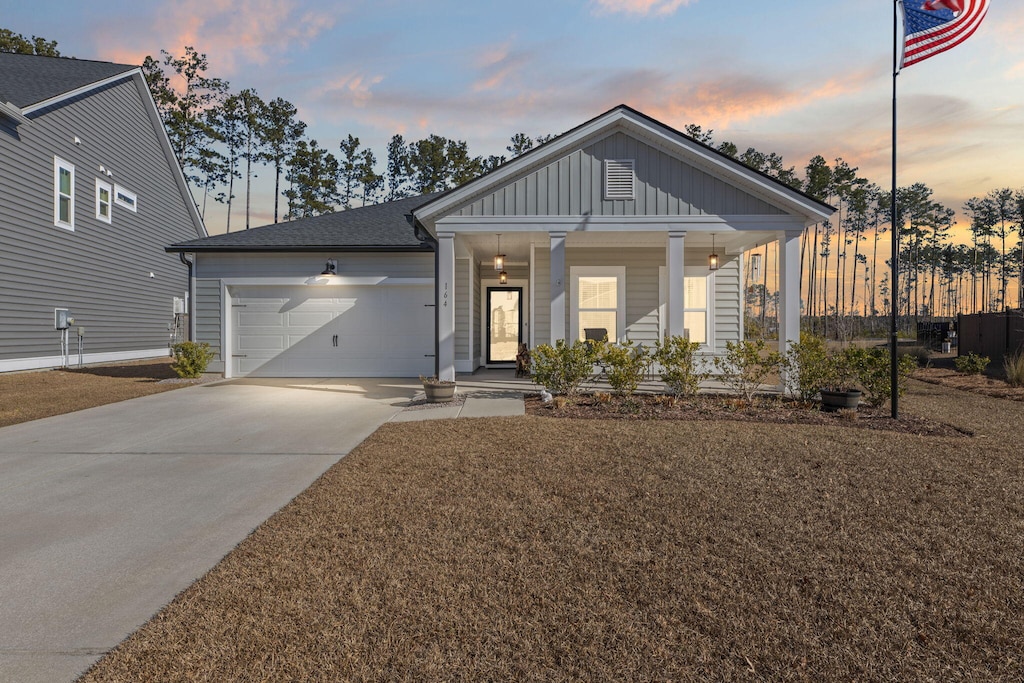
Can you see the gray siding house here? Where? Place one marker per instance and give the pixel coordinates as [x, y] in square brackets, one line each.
[90, 194]
[607, 230]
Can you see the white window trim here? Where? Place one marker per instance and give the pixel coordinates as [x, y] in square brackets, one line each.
[689, 271]
[133, 206]
[575, 273]
[104, 185]
[58, 164]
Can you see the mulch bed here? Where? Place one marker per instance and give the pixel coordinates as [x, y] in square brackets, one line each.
[977, 384]
[775, 410]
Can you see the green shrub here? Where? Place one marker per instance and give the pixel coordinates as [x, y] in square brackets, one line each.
[679, 368]
[563, 368]
[972, 364]
[806, 367]
[1014, 366]
[191, 359]
[746, 365]
[625, 366]
[873, 371]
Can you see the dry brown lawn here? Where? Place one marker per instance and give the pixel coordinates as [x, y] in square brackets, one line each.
[558, 549]
[28, 396]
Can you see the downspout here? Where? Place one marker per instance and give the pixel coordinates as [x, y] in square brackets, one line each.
[191, 295]
[423, 235]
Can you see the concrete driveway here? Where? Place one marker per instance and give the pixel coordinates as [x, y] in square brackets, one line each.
[106, 514]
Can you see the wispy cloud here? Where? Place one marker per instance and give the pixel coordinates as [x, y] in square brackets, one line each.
[639, 7]
[230, 32]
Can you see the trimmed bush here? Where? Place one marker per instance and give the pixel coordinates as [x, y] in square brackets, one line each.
[873, 370]
[191, 359]
[679, 365]
[806, 366]
[972, 363]
[746, 365]
[625, 366]
[563, 368]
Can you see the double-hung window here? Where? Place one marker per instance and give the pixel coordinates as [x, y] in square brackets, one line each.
[103, 200]
[598, 302]
[698, 318]
[63, 194]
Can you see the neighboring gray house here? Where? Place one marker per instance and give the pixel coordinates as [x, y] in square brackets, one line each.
[608, 230]
[90, 194]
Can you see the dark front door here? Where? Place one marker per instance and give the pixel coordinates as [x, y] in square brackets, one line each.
[504, 323]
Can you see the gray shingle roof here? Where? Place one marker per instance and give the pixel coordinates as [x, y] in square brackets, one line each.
[29, 79]
[387, 226]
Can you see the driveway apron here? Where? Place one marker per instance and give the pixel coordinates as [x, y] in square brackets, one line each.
[108, 513]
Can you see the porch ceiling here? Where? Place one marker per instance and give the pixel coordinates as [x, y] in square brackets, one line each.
[516, 246]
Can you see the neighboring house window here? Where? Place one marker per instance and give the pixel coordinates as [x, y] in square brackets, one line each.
[103, 197]
[598, 302]
[124, 198]
[63, 194]
[619, 175]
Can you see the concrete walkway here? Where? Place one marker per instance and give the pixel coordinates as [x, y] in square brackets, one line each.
[108, 513]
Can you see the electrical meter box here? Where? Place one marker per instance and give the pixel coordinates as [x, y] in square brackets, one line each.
[179, 305]
[62, 319]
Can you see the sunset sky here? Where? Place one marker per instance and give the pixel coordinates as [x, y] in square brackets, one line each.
[798, 78]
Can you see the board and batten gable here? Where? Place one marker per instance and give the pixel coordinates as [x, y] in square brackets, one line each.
[215, 271]
[574, 186]
[115, 277]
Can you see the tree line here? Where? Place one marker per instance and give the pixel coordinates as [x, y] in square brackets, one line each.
[221, 137]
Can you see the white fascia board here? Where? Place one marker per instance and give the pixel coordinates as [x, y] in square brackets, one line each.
[489, 224]
[13, 112]
[80, 90]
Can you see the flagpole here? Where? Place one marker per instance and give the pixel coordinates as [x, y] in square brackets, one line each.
[894, 284]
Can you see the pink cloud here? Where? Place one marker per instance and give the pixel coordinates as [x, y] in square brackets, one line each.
[230, 32]
[640, 7]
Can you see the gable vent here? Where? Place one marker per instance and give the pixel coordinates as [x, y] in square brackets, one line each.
[618, 178]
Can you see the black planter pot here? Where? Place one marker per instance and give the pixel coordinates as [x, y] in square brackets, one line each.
[840, 400]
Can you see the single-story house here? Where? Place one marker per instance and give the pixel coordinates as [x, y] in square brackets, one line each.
[606, 230]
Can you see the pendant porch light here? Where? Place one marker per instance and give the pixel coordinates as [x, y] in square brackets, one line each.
[713, 256]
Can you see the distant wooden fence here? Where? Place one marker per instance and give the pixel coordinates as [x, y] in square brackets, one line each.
[991, 334]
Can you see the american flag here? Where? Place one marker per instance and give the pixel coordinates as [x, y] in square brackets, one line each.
[934, 26]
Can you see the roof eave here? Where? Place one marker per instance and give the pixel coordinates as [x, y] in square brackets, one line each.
[13, 112]
[56, 99]
[425, 247]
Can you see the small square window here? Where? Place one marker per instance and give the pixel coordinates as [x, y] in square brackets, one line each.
[125, 198]
[63, 194]
[103, 200]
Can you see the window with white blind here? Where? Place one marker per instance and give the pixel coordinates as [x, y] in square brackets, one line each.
[698, 311]
[598, 302]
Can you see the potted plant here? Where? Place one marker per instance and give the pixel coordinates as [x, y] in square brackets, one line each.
[438, 390]
[839, 383]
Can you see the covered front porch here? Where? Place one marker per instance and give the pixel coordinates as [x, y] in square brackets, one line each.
[636, 285]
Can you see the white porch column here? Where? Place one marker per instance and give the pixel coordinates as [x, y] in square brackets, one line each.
[674, 273]
[446, 305]
[789, 289]
[557, 286]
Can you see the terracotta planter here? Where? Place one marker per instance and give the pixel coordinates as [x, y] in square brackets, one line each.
[840, 400]
[439, 393]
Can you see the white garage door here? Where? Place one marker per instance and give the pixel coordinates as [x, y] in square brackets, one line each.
[332, 331]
